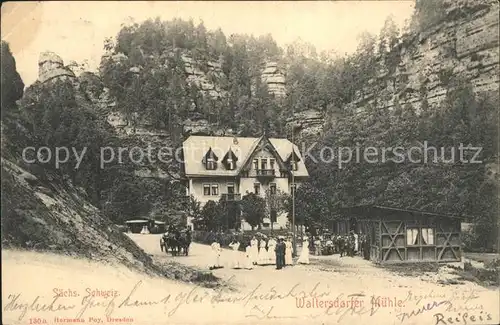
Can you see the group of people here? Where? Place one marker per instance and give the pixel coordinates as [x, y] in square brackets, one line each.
[276, 251]
[346, 245]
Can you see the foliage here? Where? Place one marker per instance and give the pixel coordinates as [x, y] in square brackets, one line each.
[436, 184]
[12, 84]
[311, 206]
[253, 208]
[211, 218]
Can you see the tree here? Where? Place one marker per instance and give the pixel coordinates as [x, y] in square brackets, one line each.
[12, 84]
[389, 36]
[210, 216]
[275, 204]
[311, 206]
[230, 212]
[253, 208]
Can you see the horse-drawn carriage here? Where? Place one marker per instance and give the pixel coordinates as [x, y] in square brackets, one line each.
[177, 241]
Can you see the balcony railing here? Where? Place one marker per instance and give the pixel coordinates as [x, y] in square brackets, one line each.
[231, 196]
[266, 172]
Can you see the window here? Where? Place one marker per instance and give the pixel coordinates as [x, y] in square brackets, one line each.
[272, 188]
[230, 164]
[427, 236]
[294, 165]
[215, 189]
[271, 163]
[256, 188]
[412, 236]
[206, 189]
[263, 164]
[211, 165]
[293, 187]
[230, 188]
[256, 164]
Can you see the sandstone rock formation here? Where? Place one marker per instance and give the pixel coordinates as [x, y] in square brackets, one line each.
[306, 124]
[207, 81]
[51, 67]
[464, 44]
[275, 79]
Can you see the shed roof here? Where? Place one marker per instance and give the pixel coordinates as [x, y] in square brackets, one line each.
[363, 209]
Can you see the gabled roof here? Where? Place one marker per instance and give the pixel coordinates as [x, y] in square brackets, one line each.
[210, 154]
[230, 155]
[196, 147]
[293, 155]
[263, 143]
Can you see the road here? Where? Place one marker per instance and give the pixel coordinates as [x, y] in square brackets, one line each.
[337, 276]
[263, 295]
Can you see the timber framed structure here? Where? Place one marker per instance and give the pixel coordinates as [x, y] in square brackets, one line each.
[407, 236]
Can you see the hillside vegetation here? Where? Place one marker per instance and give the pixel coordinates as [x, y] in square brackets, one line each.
[144, 73]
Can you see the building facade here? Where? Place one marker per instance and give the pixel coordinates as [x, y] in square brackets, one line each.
[228, 168]
[400, 235]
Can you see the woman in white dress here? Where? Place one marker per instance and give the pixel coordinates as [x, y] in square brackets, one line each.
[304, 254]
[235, 245]
[262, 258]
[254, 251]
[288, 252]
[249, 258]
[216, 250]
[271, 254]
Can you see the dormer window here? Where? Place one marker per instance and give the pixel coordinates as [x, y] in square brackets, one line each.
[230, 160]
[293, 161]
[210, 160]
[211, 164]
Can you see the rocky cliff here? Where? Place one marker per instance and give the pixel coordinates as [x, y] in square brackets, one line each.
[465, 43]
[51, 67]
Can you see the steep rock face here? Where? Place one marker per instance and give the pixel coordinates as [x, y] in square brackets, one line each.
[275, 78]
[51, 67]
[465, 43]
[205, 76]
[306, 124]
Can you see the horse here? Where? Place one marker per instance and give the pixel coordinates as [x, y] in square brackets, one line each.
[169, 240]
[183, 242]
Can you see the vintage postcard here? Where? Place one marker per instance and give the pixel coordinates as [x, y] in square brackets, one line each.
[267, 162]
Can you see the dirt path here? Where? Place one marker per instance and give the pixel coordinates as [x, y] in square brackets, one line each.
[339, 276]
[264, 295]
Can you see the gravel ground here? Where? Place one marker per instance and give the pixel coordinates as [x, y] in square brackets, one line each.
[263, 295]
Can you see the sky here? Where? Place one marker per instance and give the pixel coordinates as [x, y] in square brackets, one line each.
[76, 30]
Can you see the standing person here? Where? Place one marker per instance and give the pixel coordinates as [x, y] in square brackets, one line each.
[288, 252]
[366, 248]
[249, 257]
[356, 243]
[262, 258]
[350, 244]
[280, 254]
[254, 252]
[317, 246]
[216, 252]
[271, 254]
[304, 254]
[235, 245]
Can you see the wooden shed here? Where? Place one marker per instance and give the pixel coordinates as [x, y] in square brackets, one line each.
[399, 235]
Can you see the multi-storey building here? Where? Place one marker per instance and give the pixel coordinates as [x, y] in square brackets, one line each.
[227, 168]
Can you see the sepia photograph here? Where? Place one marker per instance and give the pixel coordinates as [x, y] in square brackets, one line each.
[250, 162]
